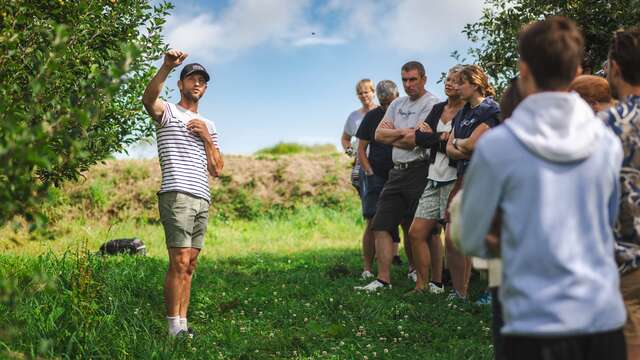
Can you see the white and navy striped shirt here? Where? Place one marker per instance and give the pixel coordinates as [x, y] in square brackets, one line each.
[182, 156]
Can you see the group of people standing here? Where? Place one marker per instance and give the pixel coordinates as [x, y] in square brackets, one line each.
[547, 185]
[412, 153]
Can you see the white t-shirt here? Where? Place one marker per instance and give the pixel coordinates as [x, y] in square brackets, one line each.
[406, 113]
[351, 126]
[440, 169]
[182, 156]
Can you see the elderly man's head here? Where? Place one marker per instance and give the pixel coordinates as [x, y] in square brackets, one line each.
[387, 92]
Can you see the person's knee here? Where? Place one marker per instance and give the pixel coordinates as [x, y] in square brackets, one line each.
[192, 267]
[179, 265]
[416, 233]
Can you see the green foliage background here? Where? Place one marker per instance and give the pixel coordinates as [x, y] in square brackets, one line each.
[496, 32]
[71, 77]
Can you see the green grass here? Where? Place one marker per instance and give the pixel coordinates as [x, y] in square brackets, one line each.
[280, 286]
[284, 148]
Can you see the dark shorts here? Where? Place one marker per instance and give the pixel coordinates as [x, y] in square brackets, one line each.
[608, 345]
[399, 197]
[370, 189]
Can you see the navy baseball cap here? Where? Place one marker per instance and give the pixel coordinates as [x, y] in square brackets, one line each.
[194, 68]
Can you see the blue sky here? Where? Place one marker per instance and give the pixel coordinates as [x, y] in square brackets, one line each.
[285, 70]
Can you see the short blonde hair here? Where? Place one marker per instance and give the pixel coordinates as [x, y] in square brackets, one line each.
[365, 83]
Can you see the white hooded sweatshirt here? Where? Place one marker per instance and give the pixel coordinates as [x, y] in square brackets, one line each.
[553, 171]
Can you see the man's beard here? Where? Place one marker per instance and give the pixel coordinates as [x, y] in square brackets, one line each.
[189, 96]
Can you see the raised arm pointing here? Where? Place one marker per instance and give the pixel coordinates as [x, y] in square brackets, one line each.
[150, 98]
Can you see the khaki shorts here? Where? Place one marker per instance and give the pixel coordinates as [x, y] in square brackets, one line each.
[184, 218]
[630, 288]
[433, 202]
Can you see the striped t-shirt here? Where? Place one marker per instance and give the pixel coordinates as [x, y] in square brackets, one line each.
[182, 156]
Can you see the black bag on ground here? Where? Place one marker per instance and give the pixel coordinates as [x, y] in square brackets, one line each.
[132, 246]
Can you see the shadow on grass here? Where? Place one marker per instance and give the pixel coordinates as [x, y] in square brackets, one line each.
[256, 307]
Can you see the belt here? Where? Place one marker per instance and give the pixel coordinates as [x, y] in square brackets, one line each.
[436, 184]
[410, 164]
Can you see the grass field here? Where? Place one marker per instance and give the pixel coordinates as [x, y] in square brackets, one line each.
[273, 286]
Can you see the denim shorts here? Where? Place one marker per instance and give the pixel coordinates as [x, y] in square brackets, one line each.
[434, 200]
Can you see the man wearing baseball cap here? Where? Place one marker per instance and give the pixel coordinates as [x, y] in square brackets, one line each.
[188, 152]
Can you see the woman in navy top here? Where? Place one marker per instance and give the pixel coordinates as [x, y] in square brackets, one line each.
[479, 114]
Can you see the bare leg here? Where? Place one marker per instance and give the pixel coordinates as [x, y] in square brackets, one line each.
[418, 233]
[368, 247]
[406, 224]
[186, 284]
[437, 249]
[396, 246]
[633, 352]
[468, 265]
[174, 280]
[384, 254]
[457, 265]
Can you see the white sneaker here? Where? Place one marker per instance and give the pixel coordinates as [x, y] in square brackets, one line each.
[435, 289]
[366, 275]
[373, 286]
[413, 275]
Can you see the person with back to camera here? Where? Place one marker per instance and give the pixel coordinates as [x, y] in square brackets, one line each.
[552, 170]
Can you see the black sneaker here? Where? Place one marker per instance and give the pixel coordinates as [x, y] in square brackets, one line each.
[185, 334]
[397, 260]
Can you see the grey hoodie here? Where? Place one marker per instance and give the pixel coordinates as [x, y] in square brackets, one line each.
[553, 171]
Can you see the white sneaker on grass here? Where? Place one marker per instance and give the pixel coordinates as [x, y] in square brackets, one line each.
[435, 289]
[366, 275]
[373, 286]
[413, 275]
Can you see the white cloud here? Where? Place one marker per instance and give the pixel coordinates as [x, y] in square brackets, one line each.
[419, 25]
[406, 25]
[244, 24]
[413, 25]
[318, 40]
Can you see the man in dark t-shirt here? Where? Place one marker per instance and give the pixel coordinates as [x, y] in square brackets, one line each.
[375, 165]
